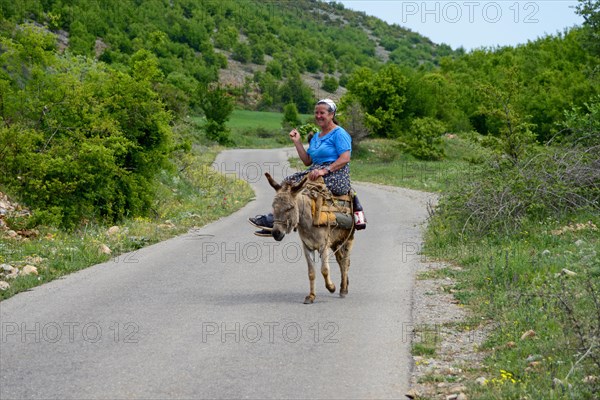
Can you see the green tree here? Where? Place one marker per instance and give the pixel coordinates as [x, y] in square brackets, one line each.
[352, 117]
[330, 84]
[382, 95]
[81, 41]
[424, 138]
[275, 68]
[590, 11]
[582, 124]
[515, 131]
[242, 52]
[269, 89]
[258, 54]
[88, 141]
[226, 37]
[294, 90]
[290, 116]
[217, 106]
[144, 66]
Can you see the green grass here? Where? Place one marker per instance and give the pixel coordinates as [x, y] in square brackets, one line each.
[426, 340]
[382, 161]
[440, 273]
[515, 282]
[243, 119]
[258, 129]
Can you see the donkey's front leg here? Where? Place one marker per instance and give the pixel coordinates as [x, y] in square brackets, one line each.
[325, 270]
[309, 254]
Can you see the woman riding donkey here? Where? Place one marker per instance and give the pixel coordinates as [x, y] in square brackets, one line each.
[328, 155]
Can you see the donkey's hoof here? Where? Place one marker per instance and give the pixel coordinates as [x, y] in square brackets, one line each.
[343, 293]
[331, 288]
[309, 299]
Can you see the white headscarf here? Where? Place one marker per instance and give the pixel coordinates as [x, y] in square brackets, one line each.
[330, 103]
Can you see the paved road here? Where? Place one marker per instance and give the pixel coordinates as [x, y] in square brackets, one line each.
[218, 313]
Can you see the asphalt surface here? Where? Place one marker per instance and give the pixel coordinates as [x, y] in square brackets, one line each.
[219, 313]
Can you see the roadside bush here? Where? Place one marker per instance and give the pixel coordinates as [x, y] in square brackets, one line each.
[499, 195]
[88, 141]
[217, 132]
[549, 181]
[424, 139]
[582, 125]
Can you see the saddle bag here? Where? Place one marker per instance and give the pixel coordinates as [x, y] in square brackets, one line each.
[327, 209]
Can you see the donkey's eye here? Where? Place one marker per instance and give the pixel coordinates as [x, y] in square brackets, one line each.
[287, 209]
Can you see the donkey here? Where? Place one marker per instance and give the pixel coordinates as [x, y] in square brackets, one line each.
[292, 210]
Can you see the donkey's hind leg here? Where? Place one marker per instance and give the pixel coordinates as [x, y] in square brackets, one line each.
[309, 254]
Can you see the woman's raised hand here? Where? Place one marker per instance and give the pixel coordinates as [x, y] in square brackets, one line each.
[295, 135]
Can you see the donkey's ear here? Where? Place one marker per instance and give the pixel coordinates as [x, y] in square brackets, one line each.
[298, 186]
[272, 182]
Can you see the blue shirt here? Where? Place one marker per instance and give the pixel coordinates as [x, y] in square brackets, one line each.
[328, 148]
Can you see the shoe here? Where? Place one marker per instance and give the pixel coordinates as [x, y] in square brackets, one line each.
[264, 222]
[264, 233]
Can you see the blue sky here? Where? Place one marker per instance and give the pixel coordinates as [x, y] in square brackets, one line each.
[474, 23]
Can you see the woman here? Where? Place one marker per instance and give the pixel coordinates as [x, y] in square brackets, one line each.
[328, 156]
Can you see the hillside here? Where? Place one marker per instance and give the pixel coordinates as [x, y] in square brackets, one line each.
[250, 45]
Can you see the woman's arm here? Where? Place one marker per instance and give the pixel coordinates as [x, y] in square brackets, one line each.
[341, 161]
[297, 139]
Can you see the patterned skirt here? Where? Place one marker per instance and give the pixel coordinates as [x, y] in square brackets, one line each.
[337, 182]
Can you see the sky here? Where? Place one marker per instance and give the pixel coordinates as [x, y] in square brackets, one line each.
[474, 23]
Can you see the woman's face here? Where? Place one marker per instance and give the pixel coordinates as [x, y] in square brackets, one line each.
[322, 115]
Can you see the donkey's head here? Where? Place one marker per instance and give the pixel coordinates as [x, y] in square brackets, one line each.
[285, 207]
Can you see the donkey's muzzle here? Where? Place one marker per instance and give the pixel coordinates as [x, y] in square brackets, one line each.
[278, 235]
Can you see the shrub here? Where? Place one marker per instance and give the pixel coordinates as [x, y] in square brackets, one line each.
[294, 90]
[583, 125]
[88, 141]
[242, 52]
[424, 139]
[553, 181]
[217, 106]
[275, 68]
[290, 115]
[500, 195]
[217, 132]
[330, 84]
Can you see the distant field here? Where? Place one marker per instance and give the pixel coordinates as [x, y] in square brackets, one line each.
[259, 129]
[243, 119]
